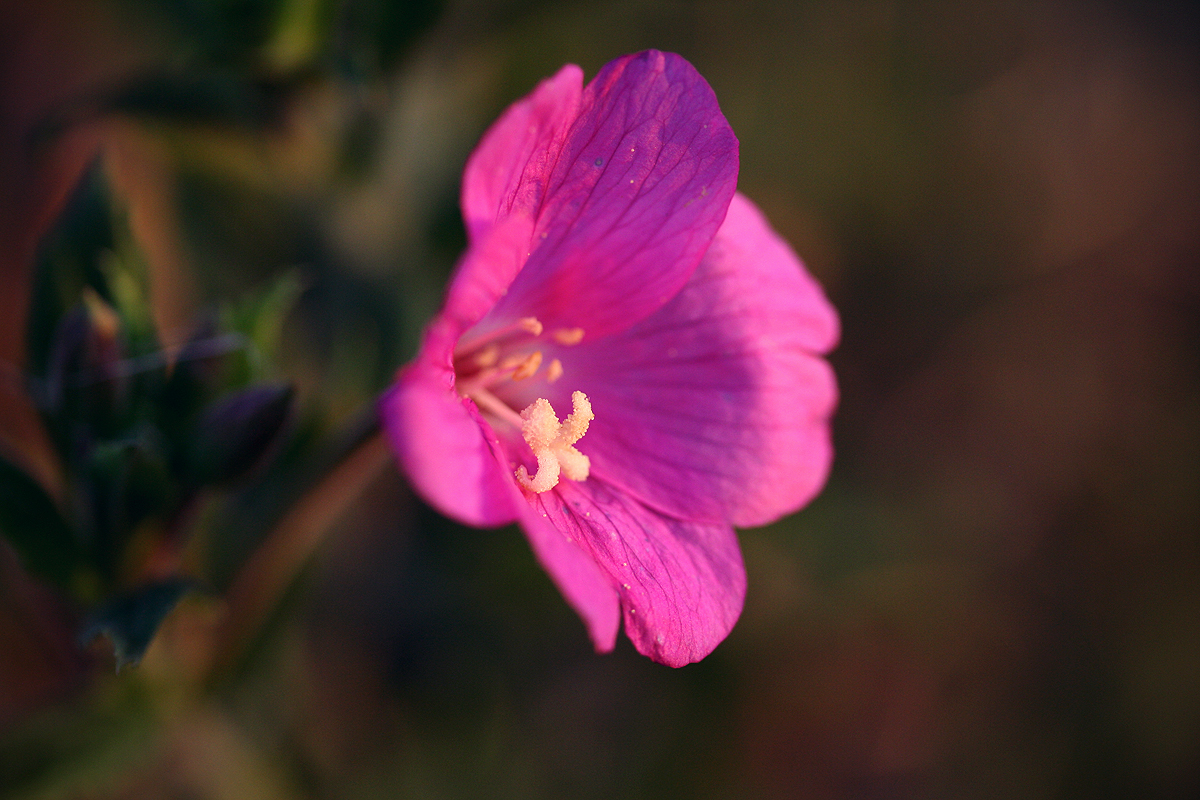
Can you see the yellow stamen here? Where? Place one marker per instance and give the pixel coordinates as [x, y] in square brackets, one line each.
[528, 367]
[530, 324]
[522, 327]
[488, 356]
[568, 336]
[554, 371]
[489, 402]
[553, 443]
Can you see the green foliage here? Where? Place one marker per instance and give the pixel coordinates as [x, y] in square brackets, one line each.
[33, 524]
[356, 37]
[258, 318]
[130, 620]
[140, 436]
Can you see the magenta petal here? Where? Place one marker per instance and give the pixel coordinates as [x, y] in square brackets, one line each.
[746, 243]
[507, 172]
[717, 407]
[457, 464]
[446, 448]
[638, 191]
[681, 583]
[443, 443]
[481, 278]
[585, 586]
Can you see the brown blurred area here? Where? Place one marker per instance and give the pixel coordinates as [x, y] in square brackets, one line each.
[1021, 393]
[52, 55]
[998, 594]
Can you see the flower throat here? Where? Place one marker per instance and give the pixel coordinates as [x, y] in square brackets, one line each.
[484, 362]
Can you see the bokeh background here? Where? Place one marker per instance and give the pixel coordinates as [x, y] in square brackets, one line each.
[998, 593]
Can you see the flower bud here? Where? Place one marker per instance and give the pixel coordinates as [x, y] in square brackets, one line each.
[84, 379]
[235, 431]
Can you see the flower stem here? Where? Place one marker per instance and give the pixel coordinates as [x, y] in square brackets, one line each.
[274, 565]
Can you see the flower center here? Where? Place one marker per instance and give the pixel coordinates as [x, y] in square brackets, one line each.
[485, 363]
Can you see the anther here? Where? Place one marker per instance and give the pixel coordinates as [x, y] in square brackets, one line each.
[488, 356]
[528, 367]
[554, 371]
[568, 336]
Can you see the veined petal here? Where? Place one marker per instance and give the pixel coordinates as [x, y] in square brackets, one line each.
[446, 448]
[641, 184]
[442, 441]
[681, 584]
[507, 172]
[717, 407]
[482, 277]
[584, 584]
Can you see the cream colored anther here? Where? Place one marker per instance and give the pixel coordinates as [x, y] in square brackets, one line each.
[530, 325]
[568, 336]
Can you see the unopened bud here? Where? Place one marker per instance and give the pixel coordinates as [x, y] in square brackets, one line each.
[234, 432]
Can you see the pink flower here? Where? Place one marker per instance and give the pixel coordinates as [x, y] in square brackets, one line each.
[614, 276]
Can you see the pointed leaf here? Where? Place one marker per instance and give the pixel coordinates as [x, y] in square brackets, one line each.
[31, 522]
[131, 620]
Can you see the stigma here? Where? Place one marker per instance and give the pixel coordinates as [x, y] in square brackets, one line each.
[553, 443]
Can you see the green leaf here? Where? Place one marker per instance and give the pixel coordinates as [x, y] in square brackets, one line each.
[131, 620]
[31, 522]
[271, 311]
[127, 481]
[69, 259]
[260, 317]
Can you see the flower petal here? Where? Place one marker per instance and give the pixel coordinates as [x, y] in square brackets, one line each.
[442, 441]
[506, 174]
[481, 278]
[717, 407]
[681, 584]
[446, 448]
[641, 184]
[457, 464]
[581, 580]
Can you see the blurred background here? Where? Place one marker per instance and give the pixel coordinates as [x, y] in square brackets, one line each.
[996, 596]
